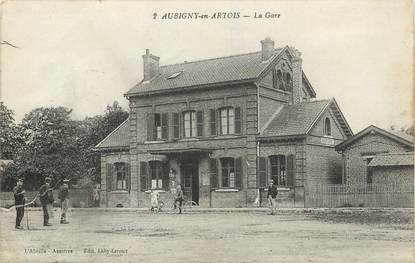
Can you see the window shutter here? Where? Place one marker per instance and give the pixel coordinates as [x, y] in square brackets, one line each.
[143, 176]
[238, 172]
[262, 172]
[213, 170]
[213, 128]
[165, 175]
[181, 126]
[218, 123]
[109, 177]
[128, 175]
[176, 126]
[165, 125]
[199, 123]
[150, 127]
[238, 120]
[290, 170]
[114, 177]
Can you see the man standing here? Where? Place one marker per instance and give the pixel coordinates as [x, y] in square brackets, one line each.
[19, 201]
[46, 198]
[64, 198]
[179, 198]
[272, 196]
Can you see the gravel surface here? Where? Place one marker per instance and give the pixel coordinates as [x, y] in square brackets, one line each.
[132, 236]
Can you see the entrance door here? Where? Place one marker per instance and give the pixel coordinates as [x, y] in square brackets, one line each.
[190, 180]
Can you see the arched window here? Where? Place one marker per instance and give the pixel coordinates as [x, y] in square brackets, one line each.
[279, 80]
[288, 82]
[327, 127]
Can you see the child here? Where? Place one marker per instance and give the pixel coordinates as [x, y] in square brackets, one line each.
[154, 199]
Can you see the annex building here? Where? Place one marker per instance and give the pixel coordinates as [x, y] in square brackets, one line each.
[222, 128]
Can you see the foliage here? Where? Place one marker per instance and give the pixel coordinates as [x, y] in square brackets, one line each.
[49, 143]
[8, 140]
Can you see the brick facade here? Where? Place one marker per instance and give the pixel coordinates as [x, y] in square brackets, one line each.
[222, 170]
[355, 155]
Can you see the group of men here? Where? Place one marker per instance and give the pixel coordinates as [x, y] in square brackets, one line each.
[46, 199]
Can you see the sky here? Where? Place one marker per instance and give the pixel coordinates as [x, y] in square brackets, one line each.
[86, 54]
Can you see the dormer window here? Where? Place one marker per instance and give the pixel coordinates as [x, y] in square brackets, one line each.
[327, 127]
[174, 75]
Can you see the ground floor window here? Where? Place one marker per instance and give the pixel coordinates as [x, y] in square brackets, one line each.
[156, 175]
[369, 172]
[278, 170]
[121, 176]
[228, 172]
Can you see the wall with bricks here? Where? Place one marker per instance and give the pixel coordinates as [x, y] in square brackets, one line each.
[288, 196]
[400, 176]
[336, 131]
[324, 165]
[368, 145]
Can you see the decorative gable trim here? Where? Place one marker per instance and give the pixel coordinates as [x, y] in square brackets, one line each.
[374, 129]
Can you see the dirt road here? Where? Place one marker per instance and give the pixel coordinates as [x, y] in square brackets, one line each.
[103, 236]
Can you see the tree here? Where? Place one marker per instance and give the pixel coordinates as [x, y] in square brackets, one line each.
[51, 147]
[96, 129]
[8, 139]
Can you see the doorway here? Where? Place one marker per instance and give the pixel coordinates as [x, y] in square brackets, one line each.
[190, 180]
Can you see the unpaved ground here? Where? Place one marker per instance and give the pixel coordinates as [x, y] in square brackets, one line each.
[201, 237]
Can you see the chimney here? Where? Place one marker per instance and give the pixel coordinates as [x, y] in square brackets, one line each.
[267, 48]
[151, 65]
[296, 64]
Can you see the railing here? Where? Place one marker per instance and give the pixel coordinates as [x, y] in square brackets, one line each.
[369, 195]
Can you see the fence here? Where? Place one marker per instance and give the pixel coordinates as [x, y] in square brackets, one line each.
[77, 198]
[341, 195]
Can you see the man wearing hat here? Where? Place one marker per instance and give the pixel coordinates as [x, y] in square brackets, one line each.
[64, 198]
[19, 200]
[46, 198]
[272, 196]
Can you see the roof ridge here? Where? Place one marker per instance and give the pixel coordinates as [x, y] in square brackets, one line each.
[224, 57]
[399, 153]
[201, 60]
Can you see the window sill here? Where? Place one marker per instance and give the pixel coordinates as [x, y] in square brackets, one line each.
[189, 139]
[119, 192]
[280, 189]
[227, 190]
[155, 142]
[229, 136]
[149, 191]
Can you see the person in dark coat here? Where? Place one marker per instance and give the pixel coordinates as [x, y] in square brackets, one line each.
[179, 198]
[46, 198]
[272, 196]
[19, 201]
[64, 199]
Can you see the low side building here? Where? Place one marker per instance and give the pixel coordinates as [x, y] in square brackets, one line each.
[374, 151]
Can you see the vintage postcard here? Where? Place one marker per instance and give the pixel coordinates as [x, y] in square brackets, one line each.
[206, 131]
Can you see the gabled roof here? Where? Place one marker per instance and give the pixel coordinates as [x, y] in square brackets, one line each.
[118, 138]
[393, 159]
[216, 71]
[399, 137]
[299, 119]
